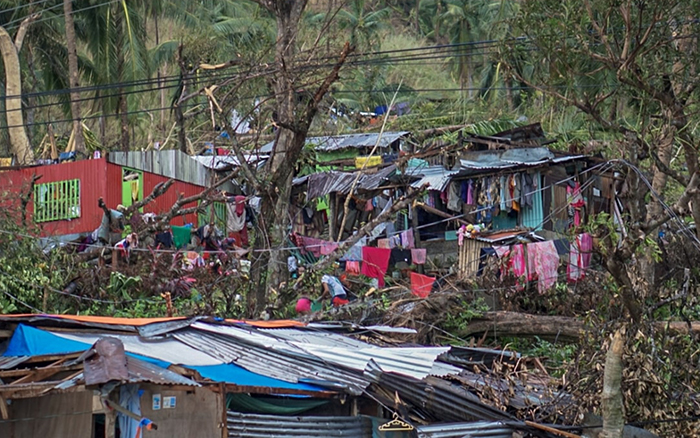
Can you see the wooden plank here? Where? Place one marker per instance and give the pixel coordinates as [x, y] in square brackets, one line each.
[3, 408]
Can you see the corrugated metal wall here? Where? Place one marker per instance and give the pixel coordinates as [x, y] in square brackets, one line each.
[169, 163]
[167, 200]
[533, 217]
[93, 185]
[469, 254]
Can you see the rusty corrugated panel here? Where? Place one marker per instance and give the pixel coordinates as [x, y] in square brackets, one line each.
[321, 184]
[106, 362]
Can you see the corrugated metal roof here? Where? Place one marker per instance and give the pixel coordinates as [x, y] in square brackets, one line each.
[165, 349]
[271, 426]
[415, 362]
[224, 162]
[435, 177]
[479, 429]
[9, 362]
[259, 426]
[323, 183]
[292, 365]
[139, 372]
[337, 142]
[473, 163]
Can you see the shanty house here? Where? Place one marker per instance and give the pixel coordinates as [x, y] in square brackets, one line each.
[61, 199]
[87, 377]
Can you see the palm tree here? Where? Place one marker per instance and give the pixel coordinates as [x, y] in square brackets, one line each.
[363, 24]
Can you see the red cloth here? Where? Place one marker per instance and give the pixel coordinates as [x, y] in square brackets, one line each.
[421, 285]
[375, 262]
[240, 204]
[338, 301]
[543, 261]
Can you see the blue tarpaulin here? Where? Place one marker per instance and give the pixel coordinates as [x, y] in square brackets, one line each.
[31, 341]
[231, 373]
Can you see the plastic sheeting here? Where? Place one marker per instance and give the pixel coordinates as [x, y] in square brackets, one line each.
[234, 374]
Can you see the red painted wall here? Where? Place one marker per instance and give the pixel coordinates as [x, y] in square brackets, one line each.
[15, 183]
[97, 179]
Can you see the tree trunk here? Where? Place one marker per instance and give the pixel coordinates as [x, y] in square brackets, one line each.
[19, 142]
[74, 76]
[612, 403]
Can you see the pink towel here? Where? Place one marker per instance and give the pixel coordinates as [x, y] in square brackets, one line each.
[579, 257]
[418, 256]
[383, 243]
[543, 261]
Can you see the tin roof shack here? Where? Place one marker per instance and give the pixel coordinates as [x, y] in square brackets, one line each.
[348, 150]
[352, 377]
[61, 199]
[103, 389]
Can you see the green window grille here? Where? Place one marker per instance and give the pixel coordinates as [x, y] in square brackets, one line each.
[56, 201]
[219, 215]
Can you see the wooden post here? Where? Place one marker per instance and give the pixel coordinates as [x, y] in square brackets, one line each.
[332, 219]
[115, 259]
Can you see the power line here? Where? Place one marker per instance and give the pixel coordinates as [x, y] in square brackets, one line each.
[16, 8]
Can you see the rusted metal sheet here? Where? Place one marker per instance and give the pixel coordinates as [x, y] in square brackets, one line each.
[10, 362]
[106, 361]
[324, 183]
[478, 429]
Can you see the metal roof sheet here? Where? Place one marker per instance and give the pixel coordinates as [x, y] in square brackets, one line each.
[139, 371]
[271, 426]
[9, 362]
[435, 177]
[323, 183]
[417, 362]
[473, 163]
[165, 349]
[338, 142]
[292, 365]
[224, 162]
[478, 429]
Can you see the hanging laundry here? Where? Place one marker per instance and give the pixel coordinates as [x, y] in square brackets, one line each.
[529, 187]
[514, 192]
[419, 255]
[383, 243]
[328, 247]
[352, 267]
[181, 236]
[579, 257]
[375, 262]
[543, 261]
[355, 251]
[470, 192]
[421, 285]
[454, 202]
[517, 260]
[575, 202]
[407, 239]
[400, 255]
[503, 188]
[395, 241]
[464, 191]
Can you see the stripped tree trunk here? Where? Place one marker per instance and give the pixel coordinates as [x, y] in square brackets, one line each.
[612, 403]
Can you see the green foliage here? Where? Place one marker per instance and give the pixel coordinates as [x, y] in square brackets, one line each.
[556, 357]
[457, 322]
